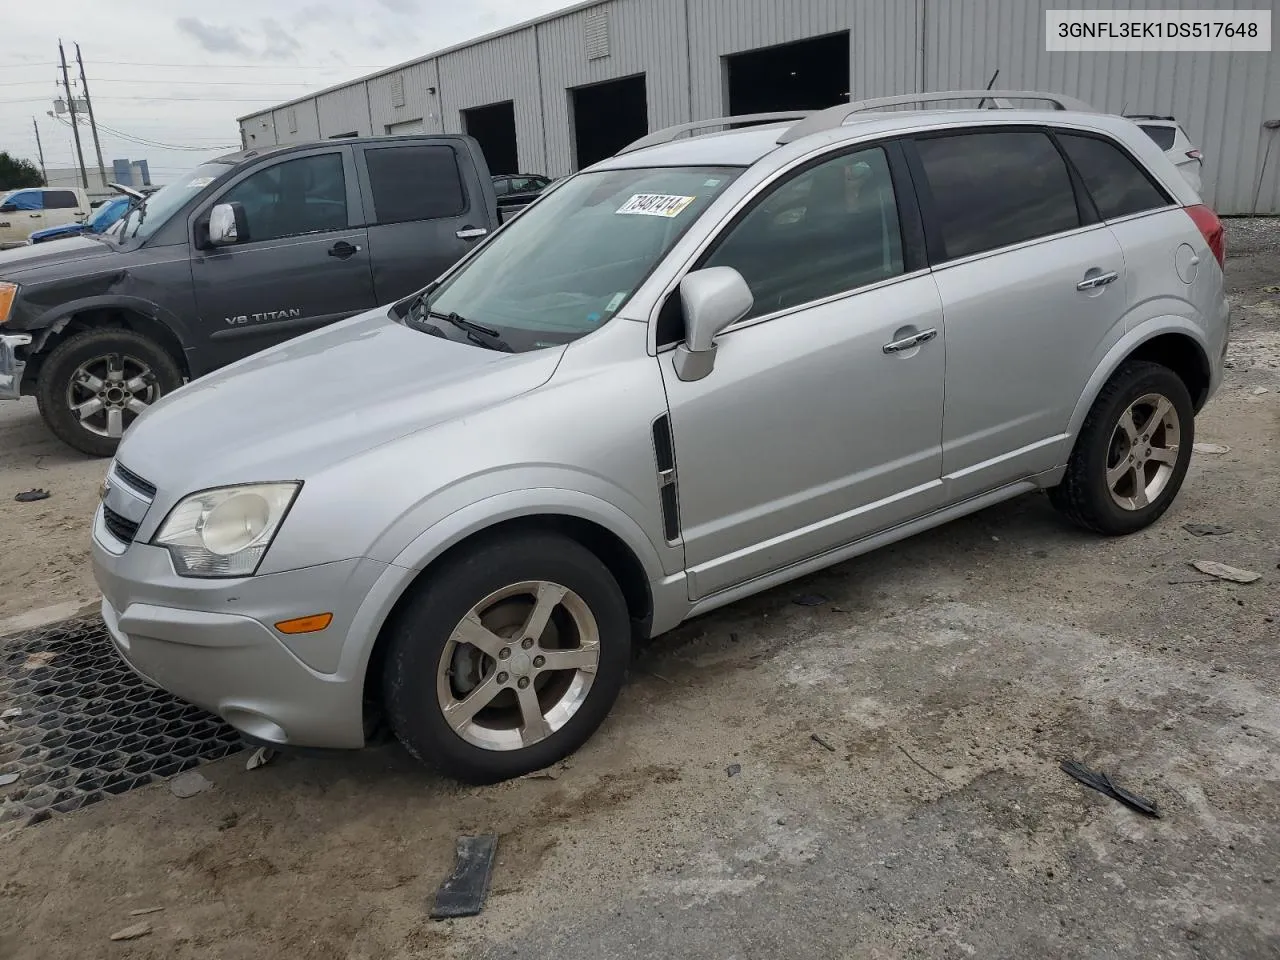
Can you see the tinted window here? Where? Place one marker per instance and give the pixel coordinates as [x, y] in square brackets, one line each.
[995, 189]
[307, 195]
[414, 183]
[1117, 184]
[501, 187]
[25, 200]
[831, 228]
[60, 200]
[1163, 136]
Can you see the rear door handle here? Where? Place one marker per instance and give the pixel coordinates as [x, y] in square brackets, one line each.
[1101, 280]
[342, 250]
[906, 343]
[471, 233]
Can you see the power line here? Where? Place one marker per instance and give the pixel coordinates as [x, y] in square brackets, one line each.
[201, 83]
[215, 66]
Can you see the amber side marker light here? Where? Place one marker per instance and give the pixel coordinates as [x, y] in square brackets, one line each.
[311, 624]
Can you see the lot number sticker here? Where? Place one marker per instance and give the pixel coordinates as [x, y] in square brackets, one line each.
[655, 205]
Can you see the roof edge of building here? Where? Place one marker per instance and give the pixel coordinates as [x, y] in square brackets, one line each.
[434, 55]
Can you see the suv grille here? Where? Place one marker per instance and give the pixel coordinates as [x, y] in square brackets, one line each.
[135, 481]
[122, 528]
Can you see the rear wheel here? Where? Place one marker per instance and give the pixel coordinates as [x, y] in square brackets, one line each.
[508, 658]
[95, 384]
[1132, 453]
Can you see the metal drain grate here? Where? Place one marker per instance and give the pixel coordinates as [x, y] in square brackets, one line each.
[79, 725]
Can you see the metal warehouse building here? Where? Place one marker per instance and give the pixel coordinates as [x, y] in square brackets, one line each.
[555, 94]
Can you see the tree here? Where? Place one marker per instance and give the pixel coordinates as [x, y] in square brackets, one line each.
[16, 173]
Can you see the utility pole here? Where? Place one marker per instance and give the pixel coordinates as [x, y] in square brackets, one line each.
[40, 150]
[97, 148]
[71, 105]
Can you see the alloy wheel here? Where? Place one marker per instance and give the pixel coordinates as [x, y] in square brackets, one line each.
[518, 666]
[108, 392]
[1143, 452]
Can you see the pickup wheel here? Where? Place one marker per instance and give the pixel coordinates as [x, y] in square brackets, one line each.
[93, 385]
[1132, 453]
[506, 659]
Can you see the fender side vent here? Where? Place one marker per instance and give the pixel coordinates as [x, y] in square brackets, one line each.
[662, 448]
[665, 459]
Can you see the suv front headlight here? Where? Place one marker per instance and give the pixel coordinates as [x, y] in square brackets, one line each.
[225, 532]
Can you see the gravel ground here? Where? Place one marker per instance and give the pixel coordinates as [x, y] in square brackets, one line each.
[949, 674]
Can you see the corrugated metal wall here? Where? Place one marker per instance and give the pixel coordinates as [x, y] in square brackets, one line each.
[896, 46]
[417, 81]
[1221, 99]
[883, 54]
[494, 71]
[645, 36]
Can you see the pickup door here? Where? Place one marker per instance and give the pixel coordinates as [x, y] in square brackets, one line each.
[304, 264]
[21, 215]
[425, 205]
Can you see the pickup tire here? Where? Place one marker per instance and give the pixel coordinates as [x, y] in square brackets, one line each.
[94, 384]
[507, 658]
[1132, 453]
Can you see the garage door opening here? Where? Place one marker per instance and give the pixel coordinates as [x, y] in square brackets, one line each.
[494, 127]
[606, 117]
[806, 75]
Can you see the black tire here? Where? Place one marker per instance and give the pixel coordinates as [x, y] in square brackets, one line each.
[1084, 496]
[420, 634]
[98, 347]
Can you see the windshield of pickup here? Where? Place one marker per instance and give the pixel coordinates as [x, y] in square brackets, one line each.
[564, 266]
[150, 215]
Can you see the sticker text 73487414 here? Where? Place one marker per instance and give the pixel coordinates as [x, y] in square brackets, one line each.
[655, 205]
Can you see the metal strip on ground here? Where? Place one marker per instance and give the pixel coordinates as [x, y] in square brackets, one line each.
[77, 725]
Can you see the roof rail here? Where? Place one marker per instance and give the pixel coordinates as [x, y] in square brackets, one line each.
[835, 116]
[667, 134]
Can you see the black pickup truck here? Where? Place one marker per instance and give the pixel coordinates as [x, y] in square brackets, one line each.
[241, 253]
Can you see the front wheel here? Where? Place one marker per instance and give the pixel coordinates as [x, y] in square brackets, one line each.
[1132, 453]
[508, 658]
[93, 385]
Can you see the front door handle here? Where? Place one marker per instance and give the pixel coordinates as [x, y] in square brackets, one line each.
[1101, 280]
[34, 216]
[471, 233]
[906, 343]
[342, 250]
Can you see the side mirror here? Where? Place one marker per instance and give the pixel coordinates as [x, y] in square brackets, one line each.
[228, 224]
[712, 299]
[9, 208]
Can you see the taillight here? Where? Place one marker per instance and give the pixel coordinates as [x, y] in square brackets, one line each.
[1194, 154]
[1211, 227]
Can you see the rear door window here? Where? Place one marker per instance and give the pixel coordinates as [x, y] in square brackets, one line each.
[994, 189]
[60, 200]
[415, 183]
[1118, 185]
[1163, 136]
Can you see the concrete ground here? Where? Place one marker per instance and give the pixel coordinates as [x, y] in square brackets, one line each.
[949, 674]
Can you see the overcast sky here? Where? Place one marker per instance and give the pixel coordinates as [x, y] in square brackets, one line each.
[180, 72]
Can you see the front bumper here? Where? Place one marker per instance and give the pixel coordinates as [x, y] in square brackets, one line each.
[211, 642]
[11, 368]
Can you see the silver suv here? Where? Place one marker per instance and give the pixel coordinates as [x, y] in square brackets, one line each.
[699, 369]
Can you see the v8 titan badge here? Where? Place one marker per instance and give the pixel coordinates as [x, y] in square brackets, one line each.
[655, 205]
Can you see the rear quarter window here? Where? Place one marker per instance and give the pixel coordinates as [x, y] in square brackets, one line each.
[1118, 184]
[1163, 136]
[994, 189]
[415, 183]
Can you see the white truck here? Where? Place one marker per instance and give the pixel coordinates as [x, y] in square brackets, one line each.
[28, 209]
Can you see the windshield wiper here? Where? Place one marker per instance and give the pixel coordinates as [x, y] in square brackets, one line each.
[477, 333]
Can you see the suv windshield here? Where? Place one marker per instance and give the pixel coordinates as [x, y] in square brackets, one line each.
[567, 264]
[149, 215]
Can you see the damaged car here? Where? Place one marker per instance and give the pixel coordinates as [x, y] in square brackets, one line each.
[242, 253]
